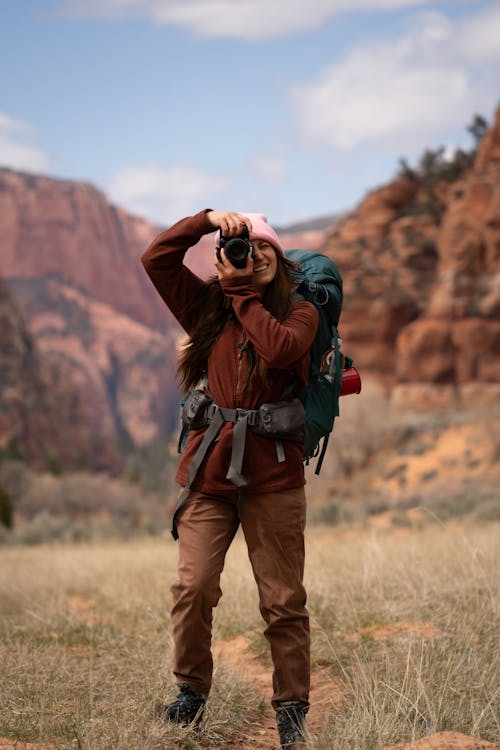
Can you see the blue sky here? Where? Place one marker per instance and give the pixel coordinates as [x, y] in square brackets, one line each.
[294, 108]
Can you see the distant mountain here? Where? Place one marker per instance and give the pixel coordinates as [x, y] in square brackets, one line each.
[69, 231]
[318, 224]
[124, 369]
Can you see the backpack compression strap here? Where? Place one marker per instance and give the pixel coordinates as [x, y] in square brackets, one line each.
[336, 375]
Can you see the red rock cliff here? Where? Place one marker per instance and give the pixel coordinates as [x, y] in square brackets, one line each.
[42, 414]
[69, 230]
[422, 276]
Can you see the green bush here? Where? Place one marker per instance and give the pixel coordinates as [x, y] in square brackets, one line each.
[6, 509]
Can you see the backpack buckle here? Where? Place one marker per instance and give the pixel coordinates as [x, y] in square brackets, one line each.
[251, 415]
[210, 411]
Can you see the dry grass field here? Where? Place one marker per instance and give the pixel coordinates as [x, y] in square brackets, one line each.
[405, 643]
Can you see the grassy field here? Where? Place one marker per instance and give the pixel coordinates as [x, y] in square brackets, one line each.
[404, 621]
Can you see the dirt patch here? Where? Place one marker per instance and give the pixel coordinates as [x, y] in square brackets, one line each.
[446, 741]
[235, 653]
[86, 611]
[326, 695]
[83, 608]
[395, 630]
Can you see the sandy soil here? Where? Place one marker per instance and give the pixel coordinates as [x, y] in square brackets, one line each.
[446, 741]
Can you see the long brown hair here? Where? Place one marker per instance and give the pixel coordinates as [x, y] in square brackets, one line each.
[211, 311]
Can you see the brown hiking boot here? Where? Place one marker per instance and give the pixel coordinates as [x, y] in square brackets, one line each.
[291, 719]
[187, 708]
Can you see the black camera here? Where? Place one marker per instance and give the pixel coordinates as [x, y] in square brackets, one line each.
[235, 248]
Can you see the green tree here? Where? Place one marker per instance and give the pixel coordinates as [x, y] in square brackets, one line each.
[53, 463]
[6, 509]
[477, 129]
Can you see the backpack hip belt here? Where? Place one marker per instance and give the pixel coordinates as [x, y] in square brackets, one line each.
[282, 420]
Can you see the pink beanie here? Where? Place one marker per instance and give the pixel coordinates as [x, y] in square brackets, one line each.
[261, 230]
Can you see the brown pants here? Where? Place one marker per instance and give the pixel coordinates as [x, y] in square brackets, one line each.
[273, 525]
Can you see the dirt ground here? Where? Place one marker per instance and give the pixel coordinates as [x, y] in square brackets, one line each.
[326, 696]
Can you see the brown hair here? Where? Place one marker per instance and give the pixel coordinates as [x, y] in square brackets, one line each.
[212, 311]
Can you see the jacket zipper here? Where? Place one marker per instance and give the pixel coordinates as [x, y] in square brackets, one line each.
[241, 348]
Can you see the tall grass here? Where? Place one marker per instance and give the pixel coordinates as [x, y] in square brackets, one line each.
[85, 641]
[402, 688]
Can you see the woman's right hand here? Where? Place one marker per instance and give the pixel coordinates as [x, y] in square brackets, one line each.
[230, 223]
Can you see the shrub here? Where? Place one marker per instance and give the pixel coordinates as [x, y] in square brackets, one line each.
[6, 509]
[77, 505]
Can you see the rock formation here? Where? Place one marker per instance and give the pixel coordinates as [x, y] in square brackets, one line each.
[421, 263]
[69, 230]
[72, 261]
[123, 370]
[40, 406]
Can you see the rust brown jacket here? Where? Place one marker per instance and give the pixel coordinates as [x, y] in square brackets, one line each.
[283, 346]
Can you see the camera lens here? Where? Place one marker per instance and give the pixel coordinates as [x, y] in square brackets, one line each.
[237, 251]
[236, 248]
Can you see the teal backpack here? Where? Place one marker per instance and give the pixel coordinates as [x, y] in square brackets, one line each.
[320, 282]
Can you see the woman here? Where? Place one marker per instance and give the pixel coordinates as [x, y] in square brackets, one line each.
[249, 342]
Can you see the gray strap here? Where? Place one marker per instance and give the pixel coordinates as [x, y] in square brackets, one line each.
[208, 438]
[238, 449]
[280, 451]
[229, 415]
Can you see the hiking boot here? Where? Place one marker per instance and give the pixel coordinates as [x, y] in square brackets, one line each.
[291, 719]
[185, 709]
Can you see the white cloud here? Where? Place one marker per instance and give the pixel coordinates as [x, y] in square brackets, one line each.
[164, 194]
[251, 20]
[270, 168]
[17, 149]
[398, 94]
[478, 37]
